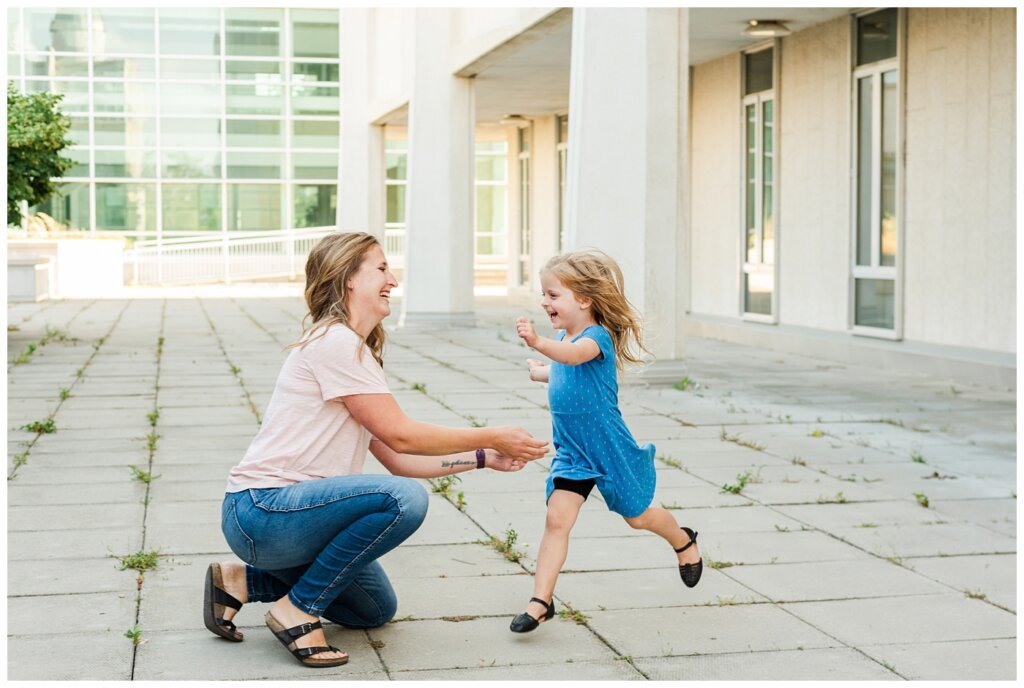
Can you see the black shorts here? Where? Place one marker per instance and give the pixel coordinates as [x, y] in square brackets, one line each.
[580, 487]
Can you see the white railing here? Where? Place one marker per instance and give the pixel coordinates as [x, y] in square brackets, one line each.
[223, 257]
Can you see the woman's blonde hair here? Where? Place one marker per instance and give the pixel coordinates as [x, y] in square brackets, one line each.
[595, 275]
[331, 263]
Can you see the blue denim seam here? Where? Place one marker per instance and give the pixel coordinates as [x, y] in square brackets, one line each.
[368, 491]
[241, 530]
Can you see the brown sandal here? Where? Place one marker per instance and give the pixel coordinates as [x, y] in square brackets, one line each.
[288, 636]
[215, 601]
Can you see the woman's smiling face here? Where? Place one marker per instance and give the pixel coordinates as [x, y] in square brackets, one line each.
[369, 289]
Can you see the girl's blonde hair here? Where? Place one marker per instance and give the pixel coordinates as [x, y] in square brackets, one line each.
[331, 263]
[595, 275]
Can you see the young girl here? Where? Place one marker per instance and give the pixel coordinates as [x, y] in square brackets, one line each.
[583, 297]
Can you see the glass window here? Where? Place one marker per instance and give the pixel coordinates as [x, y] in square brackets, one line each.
[129, 207]
[190, 164]
[490, 209]
[70, 205]
[316, 205]
[490, 168]
[134, 132]
[563, 128]
[254, 165]
[60, 30]
[197, 133]
[255, 207]
[395, 164]
[395, 210]
[192, 31]
[123, 67]
[191, 207]
[876, 36]
[253, 70]
[57, 65]
[13, 65]
[303, 72]
[190, 99]
[314, 33]
[135, 163]
[890, 106]
[14, 31]
[76, 93]
[80, 156]
[257, 99]
[315, 165]
[123, 30]
[194, 69]
[758, 72]
[314, 134]
[79, 132]
[757, 292]
[767, 181]
[320, 100]
[124, 96]
[255, 133]
[751, 183]
[865, 169]
[253, 32]
[875, 303]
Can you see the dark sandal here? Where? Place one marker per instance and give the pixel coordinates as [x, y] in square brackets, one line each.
[288, 636]
[525, 623]
[690, 573]
[215, 600]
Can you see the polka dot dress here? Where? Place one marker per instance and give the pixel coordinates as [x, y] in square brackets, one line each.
[591, 438]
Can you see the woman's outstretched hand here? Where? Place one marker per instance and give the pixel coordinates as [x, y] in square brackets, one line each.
[516, 443]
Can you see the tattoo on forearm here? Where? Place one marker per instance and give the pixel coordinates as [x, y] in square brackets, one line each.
[446, 464]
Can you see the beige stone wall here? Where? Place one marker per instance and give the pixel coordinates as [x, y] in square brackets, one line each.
[960, 244]
[715, 187]
[814, 184]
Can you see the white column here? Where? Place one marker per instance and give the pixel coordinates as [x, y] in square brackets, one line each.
[439, 251]
[627, 140]
[361, 169]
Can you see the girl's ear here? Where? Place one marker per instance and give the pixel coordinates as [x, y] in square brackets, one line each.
[584, 301]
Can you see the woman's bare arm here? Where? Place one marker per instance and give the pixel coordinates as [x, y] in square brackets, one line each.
[410, 466]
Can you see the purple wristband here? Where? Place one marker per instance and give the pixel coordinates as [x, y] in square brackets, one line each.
[480, 458]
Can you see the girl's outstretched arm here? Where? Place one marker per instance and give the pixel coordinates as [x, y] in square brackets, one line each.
[570, 353]
[539, 370]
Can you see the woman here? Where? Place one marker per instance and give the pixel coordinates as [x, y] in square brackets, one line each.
[298, 511]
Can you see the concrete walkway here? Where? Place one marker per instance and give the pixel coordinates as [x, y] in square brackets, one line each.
[869, 529]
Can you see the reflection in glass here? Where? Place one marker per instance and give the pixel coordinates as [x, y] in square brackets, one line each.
[60, 30]
[123, 30]
[190, 99]
[876, 36]
[758, 72]
[314, 134]
[131, 162]
[255, 133]
[890, 104]
[192, 31]
[490, 209]
[316, 205]
[865, 177]
[76, 93]
[185, 68]
[136, 132]
[258, 99]
[315, 165]
[767, 183]
[490, 168]
[70, 205]
[751, 185]
[314, 71]
[395, 165]
[314, 33]
[56, 65]
[320, 100]
[124, 96]
[253, 32]
[395, 212]
[79, 132]
[254, 165]
[190, 164]
[191, 207]
[192, 133]
[80, 156]
[875, 303]
[129, 207]
[253, 70]
[255, 207]
[14, 31]
[123, 67]
[757, 292]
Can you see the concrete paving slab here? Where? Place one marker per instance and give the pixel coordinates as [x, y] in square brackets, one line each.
[837, 516]
[73, 544]
[948, 616]
[965, 660]
[125, 491]
[993, 575]
[186, 538]
[100, 611]
[827, 664]
[607, 670]
[452, 561]
[72, 516]
[647, 588]
[777, 547]
[188, 491]
[98, 655]
[67, 576]
[927, 540]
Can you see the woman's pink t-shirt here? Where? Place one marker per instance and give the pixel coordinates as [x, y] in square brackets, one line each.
[307, 431]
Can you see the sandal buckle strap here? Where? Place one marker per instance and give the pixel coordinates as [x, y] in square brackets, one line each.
[303, 629]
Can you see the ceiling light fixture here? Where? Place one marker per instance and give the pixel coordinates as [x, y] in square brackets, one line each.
[765, 28]
[516, 120]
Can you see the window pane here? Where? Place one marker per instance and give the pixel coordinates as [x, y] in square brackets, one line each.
[563, 129]
[395, 204]
[751, 185]
[890, 105]
[132, 162]
[254, 165]
[254, 32]
[61, 30]
[303, 72]
[182, 68]
[490, 168]
[126, 207]
[875, 303]
[80, 156]
[315, 165]
[191, 207]
[865, 177]
[136, 132]
[192, 31]
[757, 292]
[255, 133]
[124, 96]
[309, 100]
[79, 132]
[191, 164]
[767, 184]
[190, 99]
[258, 99]
[490, 209]
[523, 136]
[198, 133]
[13, 65]
[316, 205]
[758, 71]
[14, 31]
[70, 205]
[876, 36]
[56, 65]
[255, 207]
[314, 134]
[253, 70]
[395, 164]
[128, 30]
[315, 33]
[76, 93]
[123, 67]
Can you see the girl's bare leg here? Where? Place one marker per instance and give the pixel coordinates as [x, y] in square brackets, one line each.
[563, 508]
[660, 522]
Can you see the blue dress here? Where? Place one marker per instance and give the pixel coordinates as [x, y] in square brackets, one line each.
[591, 438]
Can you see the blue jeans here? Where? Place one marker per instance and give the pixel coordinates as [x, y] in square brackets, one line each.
[317, 541]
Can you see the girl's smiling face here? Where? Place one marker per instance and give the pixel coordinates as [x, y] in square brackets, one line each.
[565, 309]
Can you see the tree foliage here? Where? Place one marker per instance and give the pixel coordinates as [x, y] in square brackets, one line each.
[36, 135]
